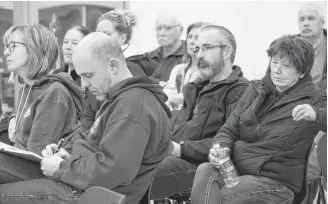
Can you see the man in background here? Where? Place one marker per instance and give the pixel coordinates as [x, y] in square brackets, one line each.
[311, 24]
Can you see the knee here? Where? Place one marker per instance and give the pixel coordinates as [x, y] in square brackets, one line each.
[204, 172]
[205, 169]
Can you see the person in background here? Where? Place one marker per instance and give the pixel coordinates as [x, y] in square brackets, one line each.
[311, 24]
[269, 133]
[119, 24]
[128, 140]
[48, 103]
[73, 35]
[186, 72]
[208, 102]
[172, 48]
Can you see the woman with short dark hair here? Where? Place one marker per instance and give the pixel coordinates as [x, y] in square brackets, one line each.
[270, 132]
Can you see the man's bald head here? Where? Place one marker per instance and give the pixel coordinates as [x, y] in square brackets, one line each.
[99, 60]
[98, 46]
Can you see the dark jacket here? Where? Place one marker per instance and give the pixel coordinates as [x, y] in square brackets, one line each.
[273, 145]
[215, 103]
[128, 140]
[53, 104]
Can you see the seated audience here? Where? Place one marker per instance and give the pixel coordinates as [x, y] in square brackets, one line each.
[270, 132]
[128, 140]
[208, 102]
[186, 72]
[48, 103]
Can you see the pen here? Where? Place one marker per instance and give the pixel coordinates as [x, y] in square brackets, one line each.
[60, 143]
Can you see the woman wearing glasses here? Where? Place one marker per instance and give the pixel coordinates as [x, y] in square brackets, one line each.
[186, 72]
[270, 132]
[48, 103]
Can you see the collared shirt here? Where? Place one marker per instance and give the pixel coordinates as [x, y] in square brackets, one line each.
[320, 54]
[165, 64]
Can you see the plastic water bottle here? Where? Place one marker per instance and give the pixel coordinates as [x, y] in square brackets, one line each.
[226, 167]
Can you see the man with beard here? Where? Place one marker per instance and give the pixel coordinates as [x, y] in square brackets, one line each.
[208, 103]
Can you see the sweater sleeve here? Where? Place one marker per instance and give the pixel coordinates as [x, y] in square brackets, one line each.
[115, 162]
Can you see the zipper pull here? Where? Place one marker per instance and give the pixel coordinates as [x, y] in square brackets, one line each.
[258, 127]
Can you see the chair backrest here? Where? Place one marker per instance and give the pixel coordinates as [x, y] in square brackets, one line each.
[322, 155]
[100, 195]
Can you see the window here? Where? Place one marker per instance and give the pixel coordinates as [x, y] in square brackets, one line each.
[6, 90]
[60, 18]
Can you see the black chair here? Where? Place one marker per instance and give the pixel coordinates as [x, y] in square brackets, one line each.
[100, 195]
[322, 155]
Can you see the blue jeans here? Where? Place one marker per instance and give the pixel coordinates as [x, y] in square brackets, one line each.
[13, 169]
[173, 175]
[208, 188]
[38, 191]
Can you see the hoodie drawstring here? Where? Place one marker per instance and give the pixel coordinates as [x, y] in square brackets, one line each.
[21, 113]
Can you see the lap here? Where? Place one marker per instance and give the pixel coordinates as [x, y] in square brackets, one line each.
[256, 189]
[14, 169]
[38, 190]
[174, 165]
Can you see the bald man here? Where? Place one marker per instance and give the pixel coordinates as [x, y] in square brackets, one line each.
[127, 141]
[311, 24]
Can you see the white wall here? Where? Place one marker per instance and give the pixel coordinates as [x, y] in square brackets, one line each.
[254, 24]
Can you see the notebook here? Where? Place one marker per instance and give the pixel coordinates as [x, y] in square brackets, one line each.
[19, 152]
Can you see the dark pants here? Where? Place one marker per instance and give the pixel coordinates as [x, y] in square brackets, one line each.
[39, 191]
[208, 188]
[13, 169]
[173, 175]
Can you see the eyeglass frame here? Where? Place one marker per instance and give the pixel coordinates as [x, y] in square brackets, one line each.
[207, 47]
[12, 48]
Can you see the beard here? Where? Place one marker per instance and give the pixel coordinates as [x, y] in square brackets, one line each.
[207, 71]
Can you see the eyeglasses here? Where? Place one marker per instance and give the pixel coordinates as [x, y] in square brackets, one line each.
[12, 45]
[206, 47]
[165, 28]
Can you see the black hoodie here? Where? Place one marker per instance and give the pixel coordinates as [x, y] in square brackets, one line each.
[47, 111]
[127, 141]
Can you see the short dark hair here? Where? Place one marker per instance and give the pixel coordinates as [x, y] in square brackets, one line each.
[228, 35]
[299, 51]
[84, 30]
